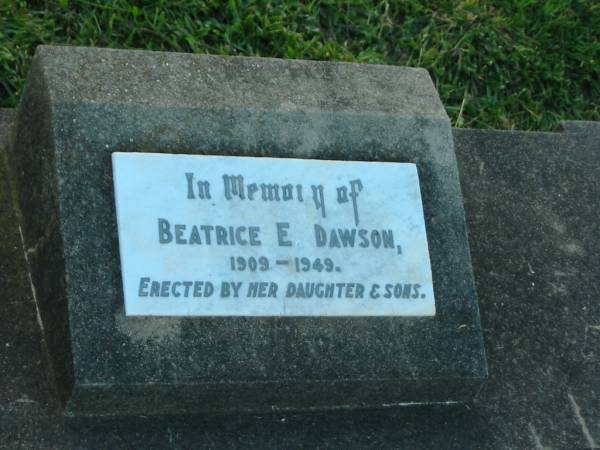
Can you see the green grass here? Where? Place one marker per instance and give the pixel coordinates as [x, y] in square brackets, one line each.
[506, 64]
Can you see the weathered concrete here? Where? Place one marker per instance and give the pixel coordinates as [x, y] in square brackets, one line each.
[80, 105]
[533, 227]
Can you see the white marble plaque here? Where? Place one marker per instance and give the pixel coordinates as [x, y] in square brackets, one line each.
[237, 236]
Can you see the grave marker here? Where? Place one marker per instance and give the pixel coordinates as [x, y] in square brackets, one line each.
[386, 124]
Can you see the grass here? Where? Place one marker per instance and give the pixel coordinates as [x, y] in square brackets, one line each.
[520, 64]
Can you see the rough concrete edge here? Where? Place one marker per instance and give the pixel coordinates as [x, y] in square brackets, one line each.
[79, 407]
[49, 51]
[60, 394]
[8, 118]
[587, 127]
[46, 47]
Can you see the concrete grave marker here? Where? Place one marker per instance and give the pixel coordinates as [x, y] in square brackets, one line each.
[116, 350]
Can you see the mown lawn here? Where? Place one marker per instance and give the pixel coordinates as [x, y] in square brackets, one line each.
[520, 64]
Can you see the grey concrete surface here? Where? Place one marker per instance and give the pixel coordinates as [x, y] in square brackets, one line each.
[81, 104]
[531, 205]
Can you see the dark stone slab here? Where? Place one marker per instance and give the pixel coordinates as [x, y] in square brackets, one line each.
[530, 201]
[543, 387]
[542, 344]
[80, 105]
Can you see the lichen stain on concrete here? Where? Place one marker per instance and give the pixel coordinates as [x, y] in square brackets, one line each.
[552, 220]
[559, 228]
[573, 248]
[143, 328]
